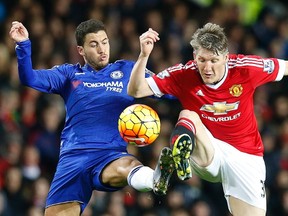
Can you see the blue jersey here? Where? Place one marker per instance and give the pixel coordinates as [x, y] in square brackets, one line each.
[93, 99]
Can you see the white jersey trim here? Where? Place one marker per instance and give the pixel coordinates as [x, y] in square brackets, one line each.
[282, 68]
[152, 84]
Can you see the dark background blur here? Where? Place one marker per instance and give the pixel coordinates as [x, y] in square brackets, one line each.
[31, 122]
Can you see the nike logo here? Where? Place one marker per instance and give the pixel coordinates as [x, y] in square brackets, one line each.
[142, 140]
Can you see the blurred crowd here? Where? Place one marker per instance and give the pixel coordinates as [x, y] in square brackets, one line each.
[31, 122]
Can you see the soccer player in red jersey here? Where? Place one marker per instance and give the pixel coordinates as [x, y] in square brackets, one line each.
[216, 136]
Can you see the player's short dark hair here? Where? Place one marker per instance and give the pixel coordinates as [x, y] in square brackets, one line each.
[86, 27]
[211, 37]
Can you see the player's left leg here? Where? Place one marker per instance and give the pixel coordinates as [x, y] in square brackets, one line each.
[181, 150]
[190, 139]
[65, 209]
[241, 208]
[243, 179]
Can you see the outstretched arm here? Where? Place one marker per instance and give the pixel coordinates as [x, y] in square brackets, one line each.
[27, 75]
[138, 86]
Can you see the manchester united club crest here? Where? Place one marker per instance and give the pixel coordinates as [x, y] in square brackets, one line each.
[236, 90]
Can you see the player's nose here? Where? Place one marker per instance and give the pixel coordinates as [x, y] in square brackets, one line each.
[207, 66]
[100, 48]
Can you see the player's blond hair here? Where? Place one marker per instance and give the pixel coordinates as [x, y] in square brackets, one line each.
[210, 37]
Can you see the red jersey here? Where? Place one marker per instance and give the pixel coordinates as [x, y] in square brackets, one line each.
[225, 108]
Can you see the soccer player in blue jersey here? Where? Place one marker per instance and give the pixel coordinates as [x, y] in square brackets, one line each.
[93, 156]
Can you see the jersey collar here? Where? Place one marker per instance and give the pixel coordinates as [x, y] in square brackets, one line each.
[91, 69]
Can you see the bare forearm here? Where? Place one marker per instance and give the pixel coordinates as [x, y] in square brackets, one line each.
[138, 86]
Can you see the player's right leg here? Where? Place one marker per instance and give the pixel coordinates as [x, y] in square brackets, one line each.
[129, 170]
[163, 172]
[66, 209]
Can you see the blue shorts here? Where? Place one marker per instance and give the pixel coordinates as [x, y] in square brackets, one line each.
[78, 174]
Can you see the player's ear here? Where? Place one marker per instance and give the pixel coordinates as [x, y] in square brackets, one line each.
[80, 50]
[227, 57]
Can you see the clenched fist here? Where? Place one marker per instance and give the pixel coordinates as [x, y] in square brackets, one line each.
[18, 32]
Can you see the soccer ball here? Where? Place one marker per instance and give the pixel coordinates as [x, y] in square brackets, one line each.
[139, 125]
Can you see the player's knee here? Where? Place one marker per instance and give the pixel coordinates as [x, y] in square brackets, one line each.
[126, 166]
[115, 174]
[121, 173]
[193, 116]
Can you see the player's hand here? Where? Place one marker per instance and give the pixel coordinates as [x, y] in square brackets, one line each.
[147, 40]
[18, 32]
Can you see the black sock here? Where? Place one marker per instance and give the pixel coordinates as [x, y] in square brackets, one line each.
[182, 128]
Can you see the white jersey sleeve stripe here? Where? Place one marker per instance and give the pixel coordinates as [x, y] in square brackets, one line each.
[151, 82]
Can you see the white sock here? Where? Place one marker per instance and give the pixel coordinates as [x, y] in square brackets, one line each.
[141, 178]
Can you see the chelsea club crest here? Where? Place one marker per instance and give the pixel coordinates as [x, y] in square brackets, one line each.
[116, 75]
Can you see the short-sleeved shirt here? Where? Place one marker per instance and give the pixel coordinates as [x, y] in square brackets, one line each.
[225, 108]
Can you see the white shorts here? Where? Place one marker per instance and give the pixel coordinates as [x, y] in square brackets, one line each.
[242, 175]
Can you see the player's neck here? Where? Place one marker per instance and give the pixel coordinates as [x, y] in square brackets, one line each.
[216, 82]
[223, 75]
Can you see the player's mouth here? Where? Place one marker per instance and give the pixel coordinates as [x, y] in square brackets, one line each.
[103, 58]
[208, 77]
